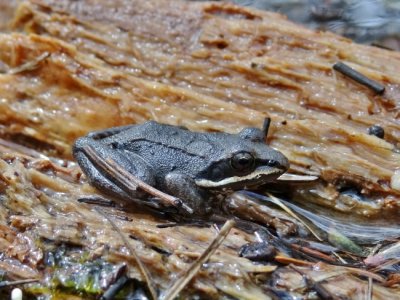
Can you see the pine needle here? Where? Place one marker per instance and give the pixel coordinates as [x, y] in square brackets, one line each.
[17, 282]
[187, 275]
[278, 202]
[145, 273]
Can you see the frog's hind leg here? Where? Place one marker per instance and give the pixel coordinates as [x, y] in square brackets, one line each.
[103, 181]
[101, 134]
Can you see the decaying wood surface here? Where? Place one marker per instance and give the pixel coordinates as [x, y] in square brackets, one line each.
[219, 67]
[71, 67]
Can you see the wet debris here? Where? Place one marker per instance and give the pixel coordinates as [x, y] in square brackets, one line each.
[265, 248]
[38, 200]
[260, 252]
[115, 288]
[377, 131]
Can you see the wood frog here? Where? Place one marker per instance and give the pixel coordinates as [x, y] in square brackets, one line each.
[193, 166]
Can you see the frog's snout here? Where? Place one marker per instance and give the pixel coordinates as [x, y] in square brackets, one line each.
[283, 162]
[278, 160]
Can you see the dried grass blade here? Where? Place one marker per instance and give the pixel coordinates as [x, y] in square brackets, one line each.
[365, 273]
[386, 264]
[186, 276]
[370, 289]
[314, 253]
[143, 270]
[17, 282]
[30, 65]
[278, 202]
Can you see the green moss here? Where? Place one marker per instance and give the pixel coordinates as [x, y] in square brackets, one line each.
[71, 272]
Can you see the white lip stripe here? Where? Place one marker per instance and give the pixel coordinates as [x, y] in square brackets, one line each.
[234, 179]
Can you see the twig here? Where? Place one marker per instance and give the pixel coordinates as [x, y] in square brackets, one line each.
[187, 275]
[378, 45]
[142, 268]
[341, 259]
[358, 77]
[313, 253]
[365, 273]
[290, 260]
[131, 182]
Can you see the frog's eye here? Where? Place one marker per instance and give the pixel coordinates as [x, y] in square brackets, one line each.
[242, 161]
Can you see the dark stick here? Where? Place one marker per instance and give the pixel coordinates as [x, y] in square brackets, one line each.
[267, 122]
[360, 78]
[382, 46]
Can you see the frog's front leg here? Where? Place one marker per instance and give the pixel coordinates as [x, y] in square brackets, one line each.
[104, 182]
[184, 187]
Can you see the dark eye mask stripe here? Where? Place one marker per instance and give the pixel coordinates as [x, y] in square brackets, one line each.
[236, 179]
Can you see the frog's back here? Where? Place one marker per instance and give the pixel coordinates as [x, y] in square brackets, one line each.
[162, 135]
[168, 147]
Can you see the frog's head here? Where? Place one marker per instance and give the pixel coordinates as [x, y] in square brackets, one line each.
[246, 161]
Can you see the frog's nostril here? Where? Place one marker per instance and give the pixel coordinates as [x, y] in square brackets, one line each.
[273, 163]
